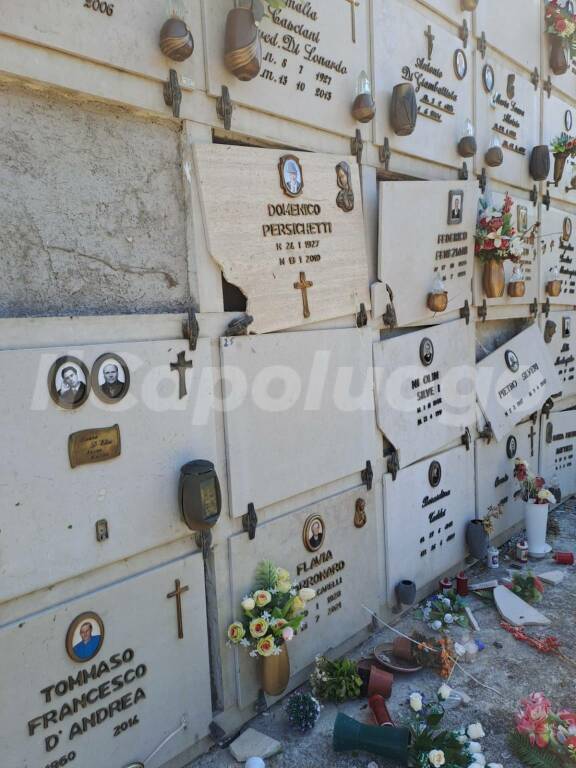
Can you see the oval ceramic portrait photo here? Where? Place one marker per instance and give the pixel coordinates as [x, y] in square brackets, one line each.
[314, 533]
[110, 378]
[68, 382]
[85, 637]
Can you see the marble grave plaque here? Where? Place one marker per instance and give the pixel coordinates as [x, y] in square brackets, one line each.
[426, 510]
[121, 34]
[136, 493]
[343, 571]
[515, 381]
[420, 242]
[510, 112]
[514, 31]
[558, 450]
[562, 346]
[299, 414]
[312, 55]
[557, 251]
[298, 256]
[425, 388]
[495, 483]
[438, 67]
[524, 216]
[128, 683]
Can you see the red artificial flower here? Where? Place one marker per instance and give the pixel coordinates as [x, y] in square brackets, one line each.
[538, 584]
[560, 25]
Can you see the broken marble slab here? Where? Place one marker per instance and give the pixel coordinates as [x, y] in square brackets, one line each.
[516, 611]
[551, 577]
[252, 743]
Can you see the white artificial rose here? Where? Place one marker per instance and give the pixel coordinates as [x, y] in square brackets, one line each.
[462, 738]
[248, 604]
[416, 701]
[436, 624]
[307, 594]
[495, 765]
[448, 618]
[474, 747]
[480, 760]
[444, 692]
[475, 731]
[436, 758]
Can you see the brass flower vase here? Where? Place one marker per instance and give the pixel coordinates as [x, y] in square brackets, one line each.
[559, 165]
[275, 672]
[553, 288]
[559, 58]
[437, 302]
[468, 5]
[403, 109]
[242, 46]
[516, 289]
[493, 279]
[540, 162]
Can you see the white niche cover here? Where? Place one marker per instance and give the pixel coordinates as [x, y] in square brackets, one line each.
[426, 510]
[515, 381]
[495, 483]
[425, 388]
[129, 682]
[558, 450]
[288, 230]
[426, 235]
[300, 412]
[335, 570]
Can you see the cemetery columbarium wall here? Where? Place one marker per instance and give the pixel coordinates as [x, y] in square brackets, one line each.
[153, 209]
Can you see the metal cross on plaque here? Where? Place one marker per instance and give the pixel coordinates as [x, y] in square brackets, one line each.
[532, 435]
[178, 592]
[430, 38]
[353, 5]
[303, 285]
[181, 366]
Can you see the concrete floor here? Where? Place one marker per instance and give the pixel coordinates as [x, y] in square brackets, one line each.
[506, 664]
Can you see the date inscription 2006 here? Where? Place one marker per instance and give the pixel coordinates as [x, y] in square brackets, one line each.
[100, 5]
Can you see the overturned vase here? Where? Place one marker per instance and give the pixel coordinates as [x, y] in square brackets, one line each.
[350, 735]
[242, 46]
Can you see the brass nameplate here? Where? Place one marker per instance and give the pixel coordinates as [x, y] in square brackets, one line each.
[93, 445]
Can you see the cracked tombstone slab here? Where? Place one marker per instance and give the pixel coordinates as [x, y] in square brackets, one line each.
[252, 743]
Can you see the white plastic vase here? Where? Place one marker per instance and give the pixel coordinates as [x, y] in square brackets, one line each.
[536, 520]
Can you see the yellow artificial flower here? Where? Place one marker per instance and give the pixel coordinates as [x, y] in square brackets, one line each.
[266, 646]
[297, 605]
[262, 598]
[236, 632]
[282, 574]
[284, 587]
[258, 627]
[306, 594]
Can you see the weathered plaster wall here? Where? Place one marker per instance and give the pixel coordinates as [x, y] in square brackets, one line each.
[92, 216]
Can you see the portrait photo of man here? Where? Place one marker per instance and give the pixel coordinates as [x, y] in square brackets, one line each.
[110, 378]
[455, 204]
[85, 637]
[291, 175]
[72, 389]
[112, 386]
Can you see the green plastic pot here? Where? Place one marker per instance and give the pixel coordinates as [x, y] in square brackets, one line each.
[350, 735]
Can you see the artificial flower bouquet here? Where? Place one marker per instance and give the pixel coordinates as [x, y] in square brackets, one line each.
[440, 612]
[441, 748]
[561, 22]
[529, 587]
[335, 680]
[273, 612]
[564, 145]
[544, 738]
[435, 653]
[532, 487]
[496, 237]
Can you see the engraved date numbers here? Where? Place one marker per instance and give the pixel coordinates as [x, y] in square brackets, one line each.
[62, 761]
[118, 729]
[100, 6]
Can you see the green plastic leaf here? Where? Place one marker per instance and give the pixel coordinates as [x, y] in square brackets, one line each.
[532, 757]
[265, 577]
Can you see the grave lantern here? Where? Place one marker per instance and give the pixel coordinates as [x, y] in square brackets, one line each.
[242, 46]
[438, 296]
[494, 156]
[467, 145]
[176, 41]
[517, 284]
[554, 284]
[364, 107]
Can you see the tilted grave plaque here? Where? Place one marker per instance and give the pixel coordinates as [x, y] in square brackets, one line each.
[524, 217]
[108, 446]
[426, 510]
[515, 381]
[312, 55]
[508, 111]
[288, 230]
[496, 488]
[425, 388]
[558, 450]
[414, 49]
[427, 236]
[107, 678]
[330, 546]
[557, 257]
[292, 397]
[559, 331]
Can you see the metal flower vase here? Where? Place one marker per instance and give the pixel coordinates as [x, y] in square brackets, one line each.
[275, 672]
